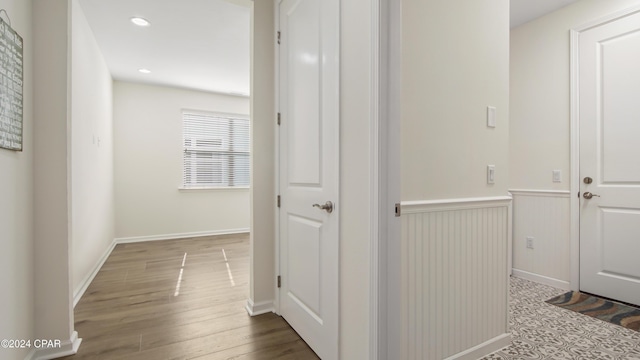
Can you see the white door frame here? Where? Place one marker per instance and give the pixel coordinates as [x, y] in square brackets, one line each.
[276, 97]
[385, 185]
[386, 81]
[575, 138]
[375, 165]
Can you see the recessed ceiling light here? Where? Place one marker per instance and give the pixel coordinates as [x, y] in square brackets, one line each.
[144, 71]
[140, 21]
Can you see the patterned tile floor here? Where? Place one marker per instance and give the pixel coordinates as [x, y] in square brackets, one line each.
[543, 331]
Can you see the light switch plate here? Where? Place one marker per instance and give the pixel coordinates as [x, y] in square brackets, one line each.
[491, 174]
[491, 116]
[557, 176]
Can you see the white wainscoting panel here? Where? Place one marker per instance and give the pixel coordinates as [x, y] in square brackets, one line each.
[455, 277]
[545, 216]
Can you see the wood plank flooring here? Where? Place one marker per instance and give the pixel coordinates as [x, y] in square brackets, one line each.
[179, 299]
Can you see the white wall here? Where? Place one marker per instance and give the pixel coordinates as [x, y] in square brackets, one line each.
[540, 134]
[68, 66]
[53, 305]
[92, 198]
[148, 165]
[455, 63]
[16, 212]
[355, 127]
[263, 165]
[540, 94]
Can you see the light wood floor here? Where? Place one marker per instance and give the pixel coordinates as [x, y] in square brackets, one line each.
[179, 299]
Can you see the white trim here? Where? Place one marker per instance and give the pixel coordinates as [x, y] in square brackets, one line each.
[80, 290]
[543, 193]
[135, 239]
[575, 167]
[484, 349]
[575, 132]
[374, 175]
[509, 246]
[390, 266]
[276, 129]
[560, 284]
[413, 207]
[263, 307]
[69, 347]
[607, 18]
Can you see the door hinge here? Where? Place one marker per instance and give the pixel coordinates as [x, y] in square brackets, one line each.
[278, 37]
[398, 210]
[279, 281]
[278, 118]
[278, 201]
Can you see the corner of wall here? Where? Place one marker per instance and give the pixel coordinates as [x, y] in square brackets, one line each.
[53, 304]
[263, 177]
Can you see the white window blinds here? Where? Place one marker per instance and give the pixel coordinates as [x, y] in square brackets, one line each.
[216, 150]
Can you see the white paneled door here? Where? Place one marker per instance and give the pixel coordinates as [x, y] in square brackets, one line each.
[309, 165]
[609, 110]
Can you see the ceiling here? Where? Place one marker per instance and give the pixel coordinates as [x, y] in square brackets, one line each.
[195, 44]
[523, 11]
[201, 44]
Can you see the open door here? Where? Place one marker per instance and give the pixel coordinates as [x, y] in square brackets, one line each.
[309, 166]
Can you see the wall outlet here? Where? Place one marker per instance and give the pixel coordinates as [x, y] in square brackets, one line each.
[529, 242]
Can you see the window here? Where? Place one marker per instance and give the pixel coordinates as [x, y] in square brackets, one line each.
[216, 150]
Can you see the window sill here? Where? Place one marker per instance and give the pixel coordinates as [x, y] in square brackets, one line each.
[234, 188]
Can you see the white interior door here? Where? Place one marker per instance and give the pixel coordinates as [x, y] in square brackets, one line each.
[609, 105]
[309, 164]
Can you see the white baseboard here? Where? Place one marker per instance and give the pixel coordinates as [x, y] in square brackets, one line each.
[483, 349]
[68, 347]
[560, 284]
[77, 294]
[259, 308]
[135, 239]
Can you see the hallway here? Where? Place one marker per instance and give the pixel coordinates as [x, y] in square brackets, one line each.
[179, 299]
[184, 299]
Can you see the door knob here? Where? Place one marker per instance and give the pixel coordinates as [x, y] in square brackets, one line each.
[588, 195]
[328, 206]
